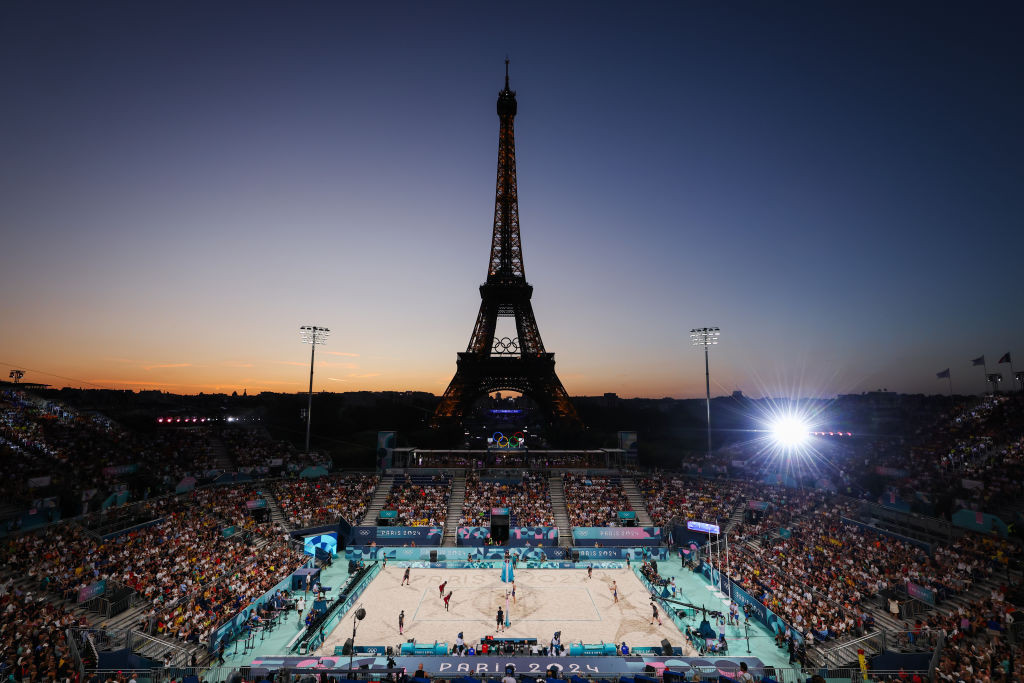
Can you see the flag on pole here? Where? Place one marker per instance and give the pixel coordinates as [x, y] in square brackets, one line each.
[942, 375]
[1006, 358]
[980, 360]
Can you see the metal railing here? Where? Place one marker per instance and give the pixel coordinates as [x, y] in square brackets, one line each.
[139, 640]
[854, 675]
[839, 655]
[76, 656]
[118, 598]
[934, 663]
[165, 675]
[102, 639]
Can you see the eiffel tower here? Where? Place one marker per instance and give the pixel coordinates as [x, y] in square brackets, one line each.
[516, 364]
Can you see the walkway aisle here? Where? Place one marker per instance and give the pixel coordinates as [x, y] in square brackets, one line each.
[275, 642]
[693, 589]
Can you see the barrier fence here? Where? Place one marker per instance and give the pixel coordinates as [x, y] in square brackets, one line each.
[315, 640]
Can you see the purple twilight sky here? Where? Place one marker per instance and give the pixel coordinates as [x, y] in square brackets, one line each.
[838, 186]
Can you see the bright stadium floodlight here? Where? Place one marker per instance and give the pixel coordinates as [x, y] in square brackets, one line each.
[706, 336]
[790, 432]
[312, 335]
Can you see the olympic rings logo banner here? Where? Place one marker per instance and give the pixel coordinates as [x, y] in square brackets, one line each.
[499, 440]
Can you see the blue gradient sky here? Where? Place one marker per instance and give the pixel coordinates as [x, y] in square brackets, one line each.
[838, 186]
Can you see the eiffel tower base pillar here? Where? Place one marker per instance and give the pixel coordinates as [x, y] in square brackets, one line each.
[533, 376]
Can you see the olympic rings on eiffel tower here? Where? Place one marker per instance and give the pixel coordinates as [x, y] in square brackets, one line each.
[506, 345]
[518, 440]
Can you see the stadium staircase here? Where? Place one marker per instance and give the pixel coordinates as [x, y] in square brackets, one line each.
[560, 511]
[276, 513]
[218, 453]
[455, 501]
[636, 501]
[380, 496]
[735, 518]
[159, 647]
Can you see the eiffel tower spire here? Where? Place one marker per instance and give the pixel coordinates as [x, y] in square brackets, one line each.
[519, 364]
[506, 247]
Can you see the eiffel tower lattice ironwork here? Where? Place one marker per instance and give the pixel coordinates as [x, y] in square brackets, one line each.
[515, 364]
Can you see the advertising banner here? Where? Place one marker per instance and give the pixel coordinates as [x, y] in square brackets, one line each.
[494, 667]
[38, 482]
[636, 554]
[616, 535]
[485, 556]
[327, 542]
[396, 535]
[921, 593]
[703, 527]
[518, 536]
[472, 535]
[94, 589]
[979, 521]
[117, 470]
[388, 514]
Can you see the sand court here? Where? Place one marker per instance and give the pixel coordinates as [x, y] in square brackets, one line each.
[547, 600]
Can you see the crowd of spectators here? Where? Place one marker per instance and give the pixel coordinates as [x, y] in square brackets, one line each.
[208, 606]
[251, 449]
[976, 647]
[313, 502]
[420, 501]
[690, 498]
[970, 456]
[189, 559]
[56, 456]
[821, 575]
[33, 642]
[526, 496]
[593, 500]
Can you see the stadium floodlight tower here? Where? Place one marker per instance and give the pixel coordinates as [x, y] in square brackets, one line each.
[312, 335]
[706, 337]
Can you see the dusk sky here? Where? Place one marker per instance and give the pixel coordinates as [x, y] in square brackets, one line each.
[838, 186]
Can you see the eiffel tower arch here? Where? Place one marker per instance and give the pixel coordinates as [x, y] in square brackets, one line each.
[517, 363]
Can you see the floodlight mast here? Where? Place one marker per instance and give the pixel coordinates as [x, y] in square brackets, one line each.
[706, 336]
[312, 335]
